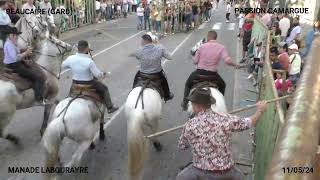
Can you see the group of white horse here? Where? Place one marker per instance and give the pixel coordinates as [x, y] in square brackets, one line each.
[75, 118]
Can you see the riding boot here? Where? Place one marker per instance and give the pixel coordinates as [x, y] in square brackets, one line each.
[167, 94]
[184, 103]
[110, 106]
[135, 79]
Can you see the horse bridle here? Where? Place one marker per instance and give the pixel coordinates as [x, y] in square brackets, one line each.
[58, 46]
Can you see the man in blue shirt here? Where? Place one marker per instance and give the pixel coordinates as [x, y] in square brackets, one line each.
[13, 59]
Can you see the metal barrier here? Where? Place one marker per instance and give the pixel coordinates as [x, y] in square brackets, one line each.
[296, 151]
[267, 129]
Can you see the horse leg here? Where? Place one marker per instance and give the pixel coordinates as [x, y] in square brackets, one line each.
[47, 110]
[156, 143]
[102, 135]
[77, 156]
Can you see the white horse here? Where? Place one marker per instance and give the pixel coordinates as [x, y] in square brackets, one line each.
[143, 112]
[47, 53]
[219, 106]
[75, 118]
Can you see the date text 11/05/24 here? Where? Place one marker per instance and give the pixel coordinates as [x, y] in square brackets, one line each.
[296, 170]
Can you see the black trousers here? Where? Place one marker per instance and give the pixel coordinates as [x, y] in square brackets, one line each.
[101, 89]
[214, 77]
[164, 83]
[227, 16]
[24, 71]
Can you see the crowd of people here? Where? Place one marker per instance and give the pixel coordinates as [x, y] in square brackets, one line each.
[288, 49]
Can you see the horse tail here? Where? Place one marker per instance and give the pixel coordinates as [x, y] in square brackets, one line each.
[52, 140]
[137, 145]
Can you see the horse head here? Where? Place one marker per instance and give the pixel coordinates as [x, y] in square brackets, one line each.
[31, 31]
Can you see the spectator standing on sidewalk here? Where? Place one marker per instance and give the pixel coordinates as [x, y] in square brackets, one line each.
[104, 10]
[140, 14]
[228, 12]
[195, 14]
[146, 13]
[154, 14]
[125, 7]
[294, 32]
[284, 25]
[118, 4]
[109, 9]
[134, 5]
[130, 6]
[167, 19]
[98, 11]
[294, 64]
[158, 20]
[283, 56]
[241, 22]
[187, 16]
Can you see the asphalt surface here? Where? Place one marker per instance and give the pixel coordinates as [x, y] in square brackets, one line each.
[113, 42]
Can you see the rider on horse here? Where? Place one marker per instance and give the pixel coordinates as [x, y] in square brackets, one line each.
[15, 60]
[5, 21]
[207, 60]
[150, 56]
[85, 72]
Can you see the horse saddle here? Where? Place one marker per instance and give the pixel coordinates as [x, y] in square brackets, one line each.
[204, 81]
[23, 83]
[150, 81]
[85, 91]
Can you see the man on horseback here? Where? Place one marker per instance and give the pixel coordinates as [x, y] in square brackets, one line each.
[84, 71]
[214, 139]
[207, 60]
[150, 56]
[15, 60]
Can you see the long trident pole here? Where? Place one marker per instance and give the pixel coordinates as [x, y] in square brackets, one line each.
[231, 112]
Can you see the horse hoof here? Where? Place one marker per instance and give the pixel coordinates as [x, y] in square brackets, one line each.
[102, 136]
[13, 139]
[157, 146]
[92, 146]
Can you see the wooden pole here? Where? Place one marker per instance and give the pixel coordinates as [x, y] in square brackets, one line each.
[231, 112]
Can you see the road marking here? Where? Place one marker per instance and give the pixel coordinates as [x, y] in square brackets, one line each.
[177, 48]
[203, 25]
[217, 26]
[107, 49]
[231, 26]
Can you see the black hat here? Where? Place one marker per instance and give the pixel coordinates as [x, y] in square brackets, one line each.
[202, 96]
[147, 37]
[13, 30]
[83, 44]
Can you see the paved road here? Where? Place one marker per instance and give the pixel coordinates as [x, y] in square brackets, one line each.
[112, 44]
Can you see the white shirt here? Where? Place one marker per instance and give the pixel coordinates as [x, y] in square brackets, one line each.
[140, 11]
[284, 25]
[82, 67]
[228, 8]
[294, 34]
[241, 20]
[97, 5]
[4, 17]
[294, 64]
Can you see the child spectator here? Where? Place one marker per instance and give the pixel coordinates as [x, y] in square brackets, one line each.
[274, 59]
[281, 85]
